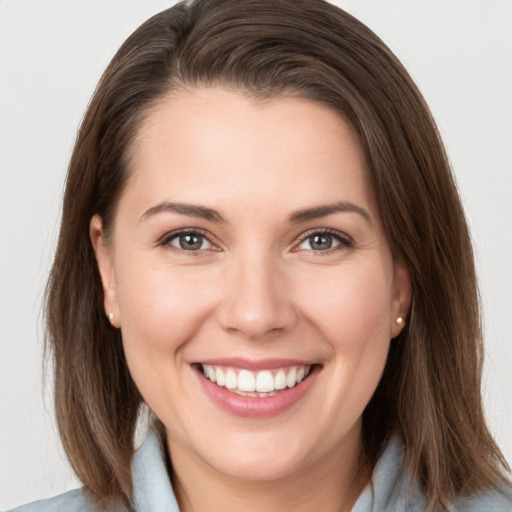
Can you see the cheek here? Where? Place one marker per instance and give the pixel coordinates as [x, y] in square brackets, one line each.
[161, 308]
[161, 311]
[352, 312]
[351, 305]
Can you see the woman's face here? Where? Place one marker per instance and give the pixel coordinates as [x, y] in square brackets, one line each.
[248, 250]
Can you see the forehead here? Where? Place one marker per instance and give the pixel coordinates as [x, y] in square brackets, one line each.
[218, 145]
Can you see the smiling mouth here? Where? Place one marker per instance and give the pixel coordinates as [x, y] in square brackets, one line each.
[258, 384]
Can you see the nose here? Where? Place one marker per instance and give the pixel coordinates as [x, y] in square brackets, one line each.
[256, 299]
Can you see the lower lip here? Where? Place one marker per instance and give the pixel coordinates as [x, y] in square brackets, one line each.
[257, 407]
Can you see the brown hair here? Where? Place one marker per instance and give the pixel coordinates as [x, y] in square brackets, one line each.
[429, 394]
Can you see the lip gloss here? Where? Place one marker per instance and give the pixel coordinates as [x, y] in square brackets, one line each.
[257, 407]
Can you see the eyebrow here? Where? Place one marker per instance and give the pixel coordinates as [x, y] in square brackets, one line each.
[209, 214]
[192, 210]
[325, 210]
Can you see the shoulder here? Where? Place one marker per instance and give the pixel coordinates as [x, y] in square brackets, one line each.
[152, 489]
[393, 489]
[71, 501]
[495, 500]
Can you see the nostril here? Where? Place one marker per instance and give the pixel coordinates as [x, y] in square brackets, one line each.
[256, 322]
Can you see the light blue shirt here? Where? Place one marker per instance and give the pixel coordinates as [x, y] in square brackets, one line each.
[390, 490]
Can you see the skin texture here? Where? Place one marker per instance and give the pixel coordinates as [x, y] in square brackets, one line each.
[256, 289]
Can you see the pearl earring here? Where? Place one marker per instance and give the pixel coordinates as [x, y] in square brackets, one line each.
[111, 316]
[399, 321]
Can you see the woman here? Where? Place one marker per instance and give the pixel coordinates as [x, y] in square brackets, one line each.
[263, 243]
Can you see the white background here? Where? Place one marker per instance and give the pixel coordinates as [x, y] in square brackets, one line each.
[52, 53]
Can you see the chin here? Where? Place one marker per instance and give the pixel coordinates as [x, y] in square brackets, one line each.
[264, 457]
[257, 468]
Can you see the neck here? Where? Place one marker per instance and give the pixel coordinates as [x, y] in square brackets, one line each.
[330, 484]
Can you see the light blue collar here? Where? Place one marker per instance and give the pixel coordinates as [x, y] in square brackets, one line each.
[391, 489]
[152, 489]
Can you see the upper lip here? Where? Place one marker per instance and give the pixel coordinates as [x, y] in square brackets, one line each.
[255, 364]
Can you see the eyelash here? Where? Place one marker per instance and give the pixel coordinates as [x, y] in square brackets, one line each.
[344, 240]
[166, 240]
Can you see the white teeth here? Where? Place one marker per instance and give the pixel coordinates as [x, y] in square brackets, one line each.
[264, 382]
[280, 380]
[246, 381]
[231, 379]
[256, 384]
[210, 373]
[291, 378]
[220, 377]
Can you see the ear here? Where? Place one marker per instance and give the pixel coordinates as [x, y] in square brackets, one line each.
[402, 293]
[104, 257]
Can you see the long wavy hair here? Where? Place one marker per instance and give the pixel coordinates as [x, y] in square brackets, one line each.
[429, 394]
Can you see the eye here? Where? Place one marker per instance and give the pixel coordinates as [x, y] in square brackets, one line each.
[188, 241]
[323, 241]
